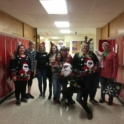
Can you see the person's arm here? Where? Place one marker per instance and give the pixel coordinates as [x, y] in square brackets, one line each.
[115, 65]
[74, 61]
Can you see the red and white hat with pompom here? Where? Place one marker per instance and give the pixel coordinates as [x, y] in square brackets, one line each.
[67, 64]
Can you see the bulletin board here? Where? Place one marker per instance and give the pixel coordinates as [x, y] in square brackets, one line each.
[76, 45]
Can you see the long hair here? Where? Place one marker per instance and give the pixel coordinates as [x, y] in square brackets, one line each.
[51, 53]
[19, 48]
[61, 60]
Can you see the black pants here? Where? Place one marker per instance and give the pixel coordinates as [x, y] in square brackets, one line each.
[91, 83]
[81, 93]
[49, 77]
[20, 88]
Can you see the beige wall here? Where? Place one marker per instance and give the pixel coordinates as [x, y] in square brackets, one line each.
[10, 25]
[70, 38]
[98, 37]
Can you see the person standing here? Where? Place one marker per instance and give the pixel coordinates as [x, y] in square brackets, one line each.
[51, 59]
[67, 58]
[20, 70]
[41, 62]
[32, 55]
[109, 70]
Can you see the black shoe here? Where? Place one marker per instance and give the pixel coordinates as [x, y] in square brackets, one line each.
[24, 100]
[110, 102]
[94, 102]
[26, 96]
[18, 103]
[43, 96]
[30, 96]
[49, 97]
[40, 95]
[89, 116]
[70, 103]
[102, 100]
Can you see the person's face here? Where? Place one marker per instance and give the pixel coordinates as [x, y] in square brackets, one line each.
[53, 49]
[64, 53]
[85, 48]
[105, 48]
[31, 46]
[41, 47]
[58, 56]
[21, 50]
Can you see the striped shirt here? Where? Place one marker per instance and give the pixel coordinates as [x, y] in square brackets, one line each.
[32, 56]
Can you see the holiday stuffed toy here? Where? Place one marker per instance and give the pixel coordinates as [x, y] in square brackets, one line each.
[60, 44]
[100, 58]
[89, 65]
[72, 76]
[24, 72]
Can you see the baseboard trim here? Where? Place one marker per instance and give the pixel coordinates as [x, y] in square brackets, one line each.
[7, 96]
[120, 100]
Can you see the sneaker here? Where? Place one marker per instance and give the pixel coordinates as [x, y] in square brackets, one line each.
[94, 102]
[26, 96]
[89, 116]
[70, 103]
[43, 97]
[30, 96]
[102, 100]
[40, 95]
[63, 100]
[24, 100]
[58, 102]
[110, 102]
[49, 97]
[18, 103]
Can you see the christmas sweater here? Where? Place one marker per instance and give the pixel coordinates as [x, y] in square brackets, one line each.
[20, 67]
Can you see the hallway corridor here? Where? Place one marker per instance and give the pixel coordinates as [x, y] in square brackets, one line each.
[44, 111]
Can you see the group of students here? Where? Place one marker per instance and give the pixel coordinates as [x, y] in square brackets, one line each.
[50, 66]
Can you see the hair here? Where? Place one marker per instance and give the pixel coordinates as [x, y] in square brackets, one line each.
[51, 53]
[31, 43]
[43, 46]
[61, 60]
[19, 48]
[80, 51]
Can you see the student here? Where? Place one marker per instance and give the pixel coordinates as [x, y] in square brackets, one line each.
[20, 65]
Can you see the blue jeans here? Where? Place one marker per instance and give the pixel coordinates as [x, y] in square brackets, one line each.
[41, 75]
[56, 88]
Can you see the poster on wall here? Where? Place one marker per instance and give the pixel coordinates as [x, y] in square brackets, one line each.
[76, 46]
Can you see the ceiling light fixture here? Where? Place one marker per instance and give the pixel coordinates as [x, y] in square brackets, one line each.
[65, 31]
[62, 24]
[54, 6]
[55, 38]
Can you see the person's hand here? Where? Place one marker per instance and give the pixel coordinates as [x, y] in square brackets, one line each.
[62, 73]
[28, 78]
[111, 79]
[12, 56]
[95, 68]
[14, 78]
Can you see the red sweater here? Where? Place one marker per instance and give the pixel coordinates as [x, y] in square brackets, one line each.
[110, 66]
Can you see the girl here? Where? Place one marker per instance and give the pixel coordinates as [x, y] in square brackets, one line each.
[56, 69]
[20, 73]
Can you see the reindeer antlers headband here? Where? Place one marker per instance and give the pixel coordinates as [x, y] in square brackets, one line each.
[86, 40]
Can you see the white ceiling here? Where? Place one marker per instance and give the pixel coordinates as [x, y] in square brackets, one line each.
[84, 15]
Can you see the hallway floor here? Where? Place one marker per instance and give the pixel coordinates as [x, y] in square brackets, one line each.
[44, 111]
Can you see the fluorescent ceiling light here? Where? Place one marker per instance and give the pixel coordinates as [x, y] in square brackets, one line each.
[55, 38]
[54, 6]
[65, 31]
[41, 38]
[62, 24]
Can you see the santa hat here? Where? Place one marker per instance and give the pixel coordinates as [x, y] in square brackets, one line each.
[25, 63]
[88, 59]
[105, 43]
[60, 41]
[67, 64]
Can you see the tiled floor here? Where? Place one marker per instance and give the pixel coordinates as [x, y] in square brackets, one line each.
[43, 111]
